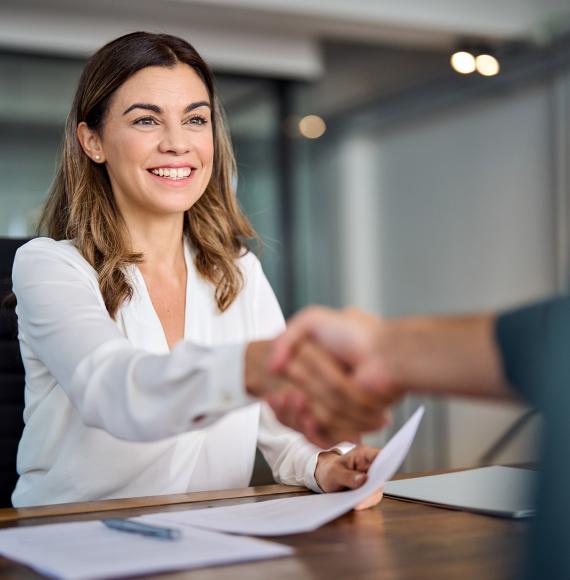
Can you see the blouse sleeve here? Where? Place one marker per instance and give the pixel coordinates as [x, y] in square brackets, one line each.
[130, 393]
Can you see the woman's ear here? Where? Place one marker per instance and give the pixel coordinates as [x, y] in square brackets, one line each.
[90, 142]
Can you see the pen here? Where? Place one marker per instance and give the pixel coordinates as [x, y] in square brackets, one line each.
[133, 527]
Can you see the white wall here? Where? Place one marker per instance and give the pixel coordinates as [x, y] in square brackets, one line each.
[467, 207]
[455, 212]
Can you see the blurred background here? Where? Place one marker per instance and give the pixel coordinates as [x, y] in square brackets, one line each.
[379, 170]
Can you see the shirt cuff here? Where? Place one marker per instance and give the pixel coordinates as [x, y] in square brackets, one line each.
[311, 467]
[342, 448]
[227, 377]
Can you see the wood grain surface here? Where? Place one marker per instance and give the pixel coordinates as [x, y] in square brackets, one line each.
[395, 540]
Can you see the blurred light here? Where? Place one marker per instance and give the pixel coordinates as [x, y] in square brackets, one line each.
[463, 62]
[312, 127]
[487, 65]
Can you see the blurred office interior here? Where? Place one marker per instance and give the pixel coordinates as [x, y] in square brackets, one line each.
[429, 191]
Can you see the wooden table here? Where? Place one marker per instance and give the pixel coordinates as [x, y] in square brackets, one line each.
[396, 540]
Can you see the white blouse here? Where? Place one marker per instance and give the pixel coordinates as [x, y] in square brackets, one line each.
[112, 412]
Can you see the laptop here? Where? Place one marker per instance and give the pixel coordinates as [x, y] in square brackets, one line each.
[495, 490]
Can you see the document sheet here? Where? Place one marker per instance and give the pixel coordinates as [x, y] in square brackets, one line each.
[495, 490]
[89, 550]
[297, 514]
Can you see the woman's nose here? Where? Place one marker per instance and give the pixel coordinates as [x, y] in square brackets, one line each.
[175, 140]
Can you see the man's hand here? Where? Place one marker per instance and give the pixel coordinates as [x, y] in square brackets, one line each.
[357, 404]
[350, 335]
[358, 340]
[313, 395]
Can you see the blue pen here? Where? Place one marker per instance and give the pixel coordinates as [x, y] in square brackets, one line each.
[133, 527]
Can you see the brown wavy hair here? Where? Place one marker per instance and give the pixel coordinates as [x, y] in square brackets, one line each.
[81, 205]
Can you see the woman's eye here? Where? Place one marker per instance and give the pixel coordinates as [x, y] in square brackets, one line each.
[145, 121]
[197, 120]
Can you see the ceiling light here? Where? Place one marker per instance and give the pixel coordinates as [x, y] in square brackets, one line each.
[312, 127]
[463, 62]
[487, 65]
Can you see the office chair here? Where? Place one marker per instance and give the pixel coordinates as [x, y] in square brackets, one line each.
[11, 376]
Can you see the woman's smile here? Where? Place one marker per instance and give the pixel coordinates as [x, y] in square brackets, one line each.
[173, 175]
[172, 172]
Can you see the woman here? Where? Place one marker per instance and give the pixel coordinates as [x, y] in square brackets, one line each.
[135, 313]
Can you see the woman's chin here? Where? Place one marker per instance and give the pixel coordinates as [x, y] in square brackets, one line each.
[172, 209]
[167, 205]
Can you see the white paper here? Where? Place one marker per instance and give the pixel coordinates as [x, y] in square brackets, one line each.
[90, 550]
[296, 515]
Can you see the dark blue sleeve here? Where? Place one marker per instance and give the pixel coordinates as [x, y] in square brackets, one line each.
[535, 345]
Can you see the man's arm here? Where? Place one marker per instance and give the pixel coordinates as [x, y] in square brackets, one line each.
[388, 358]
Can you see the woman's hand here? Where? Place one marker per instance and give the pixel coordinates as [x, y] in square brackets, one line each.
[335, 472]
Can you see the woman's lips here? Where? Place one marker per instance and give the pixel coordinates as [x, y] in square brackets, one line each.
[178, 182]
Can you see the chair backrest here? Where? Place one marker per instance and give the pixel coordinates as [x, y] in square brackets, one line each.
[11, 377]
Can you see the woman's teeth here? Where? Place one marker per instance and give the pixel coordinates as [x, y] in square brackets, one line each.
[172, 173]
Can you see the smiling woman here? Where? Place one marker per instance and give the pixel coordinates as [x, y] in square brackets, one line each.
[144, 321]
[143, 96]
[165, 141]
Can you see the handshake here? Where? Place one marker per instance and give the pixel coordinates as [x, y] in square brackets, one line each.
[333, 375]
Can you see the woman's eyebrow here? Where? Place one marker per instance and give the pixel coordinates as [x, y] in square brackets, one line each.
[193, 106]
[145, 106]
[156, 109]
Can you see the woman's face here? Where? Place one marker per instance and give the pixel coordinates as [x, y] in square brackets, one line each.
[157, 140]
